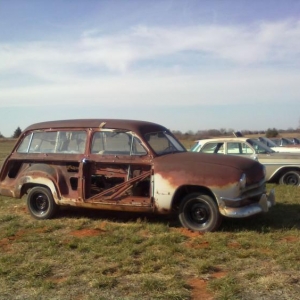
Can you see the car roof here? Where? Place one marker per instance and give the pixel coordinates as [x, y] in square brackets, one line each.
[129, 125]
[228, 139]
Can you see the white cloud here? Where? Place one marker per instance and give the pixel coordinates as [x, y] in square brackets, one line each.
[236, 44]
[100, 68]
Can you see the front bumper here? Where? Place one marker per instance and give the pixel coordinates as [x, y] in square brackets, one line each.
[263, 205]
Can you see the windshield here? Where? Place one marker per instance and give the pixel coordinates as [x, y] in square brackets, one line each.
[259, 147]
[163, 142]
[196, 147]
[296, 141]
[286, 142]
[267, 142]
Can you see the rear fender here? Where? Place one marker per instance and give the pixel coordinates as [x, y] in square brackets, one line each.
[38, 175]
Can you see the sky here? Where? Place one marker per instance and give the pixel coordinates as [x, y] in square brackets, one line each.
[188, 65]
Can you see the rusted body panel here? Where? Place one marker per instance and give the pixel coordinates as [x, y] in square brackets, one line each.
[201, 170]
[128, 166]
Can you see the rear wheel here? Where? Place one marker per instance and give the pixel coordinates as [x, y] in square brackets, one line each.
[199, 212]
[40, 203]
[290, 178]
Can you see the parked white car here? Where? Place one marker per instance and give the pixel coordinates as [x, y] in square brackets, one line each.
[277, 148]
[282, 168]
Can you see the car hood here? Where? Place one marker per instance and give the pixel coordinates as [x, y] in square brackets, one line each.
[211, 169]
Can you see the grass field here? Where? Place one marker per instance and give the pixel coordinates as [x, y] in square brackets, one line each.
[85, 254]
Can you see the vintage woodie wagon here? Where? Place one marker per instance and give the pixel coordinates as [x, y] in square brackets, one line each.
[128, 165]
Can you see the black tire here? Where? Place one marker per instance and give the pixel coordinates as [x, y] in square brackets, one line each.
[41, 204]
[290, 178]
[199, 212]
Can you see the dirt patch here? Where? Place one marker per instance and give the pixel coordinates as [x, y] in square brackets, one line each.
[87, 232]
[219, 274]
[234, 245]
[5, 245]
[199, 245]
[57, 280]
[290, 239]
[189, 233]
[199, 289]
[199, 286]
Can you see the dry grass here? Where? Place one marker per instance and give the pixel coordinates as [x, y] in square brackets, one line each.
[85, 254]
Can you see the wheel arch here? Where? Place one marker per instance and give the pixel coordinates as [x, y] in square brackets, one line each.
[184, 190]
[280, 172]
[41, 182]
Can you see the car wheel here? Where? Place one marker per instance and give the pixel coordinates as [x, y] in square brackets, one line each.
[199, 212]
[40, 203]
[290, 178]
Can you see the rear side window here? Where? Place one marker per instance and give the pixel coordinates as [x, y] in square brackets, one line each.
[116, 143]
[53, 142]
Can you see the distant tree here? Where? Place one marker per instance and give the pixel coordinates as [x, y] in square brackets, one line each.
[223, 131]
[17, 133]
[271, 132]
[214, 132]
[1, 136]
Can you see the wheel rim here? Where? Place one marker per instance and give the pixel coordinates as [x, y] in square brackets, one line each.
[40, 203]
[291, 179]
[199, 213]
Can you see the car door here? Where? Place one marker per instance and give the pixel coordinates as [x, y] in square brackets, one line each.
[240, 149]
[118, 170]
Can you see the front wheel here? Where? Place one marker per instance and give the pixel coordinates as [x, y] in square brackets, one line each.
[199, 212]
[290, 178]
[40, 203]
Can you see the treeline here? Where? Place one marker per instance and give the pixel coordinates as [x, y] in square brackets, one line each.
[206, 134]
[15, 135]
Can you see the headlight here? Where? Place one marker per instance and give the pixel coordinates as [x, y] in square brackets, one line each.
[243, 181]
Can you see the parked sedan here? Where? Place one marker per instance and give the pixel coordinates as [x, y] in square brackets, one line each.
[282, 168]
[276, 147]
[284, 142]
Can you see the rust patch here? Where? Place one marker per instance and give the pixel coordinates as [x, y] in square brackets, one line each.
[87, 232]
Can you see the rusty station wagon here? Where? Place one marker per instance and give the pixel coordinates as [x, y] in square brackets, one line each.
[134, 166]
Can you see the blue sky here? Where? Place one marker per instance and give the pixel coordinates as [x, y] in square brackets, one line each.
[189, 65]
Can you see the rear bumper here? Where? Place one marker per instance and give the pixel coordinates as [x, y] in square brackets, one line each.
[265, 202]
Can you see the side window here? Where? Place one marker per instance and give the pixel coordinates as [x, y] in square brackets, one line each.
[213, 148]
[137, 147]
[116, 143]
[233, 148]
[54, 142]
[238, 148]
[43, 142]
[246, 149]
